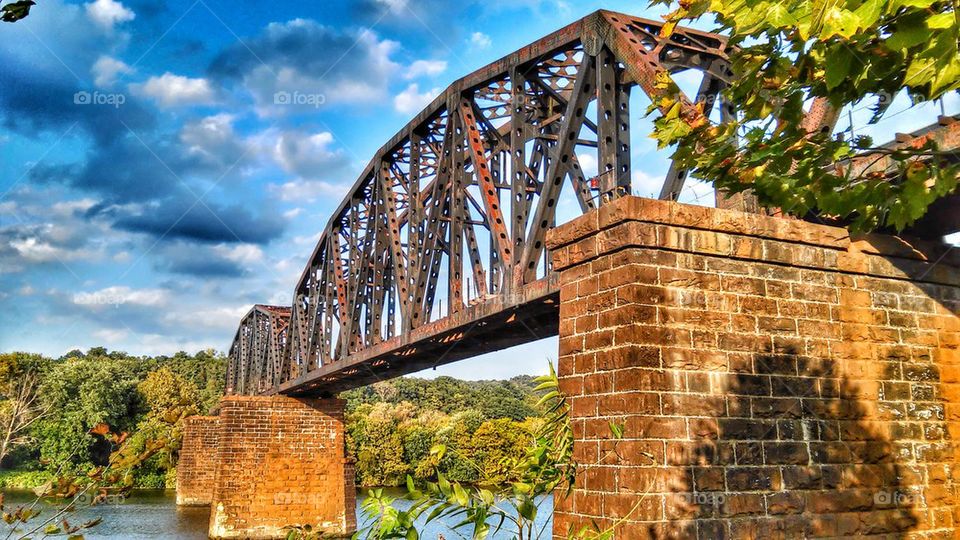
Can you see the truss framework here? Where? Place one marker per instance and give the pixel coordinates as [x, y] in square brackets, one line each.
[255, 357]
[437, 253]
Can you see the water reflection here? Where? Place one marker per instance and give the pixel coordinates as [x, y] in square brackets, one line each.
[154, 514]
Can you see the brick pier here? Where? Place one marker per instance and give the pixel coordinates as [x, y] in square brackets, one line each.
[269, 462]
[197, 466]
[773, 378]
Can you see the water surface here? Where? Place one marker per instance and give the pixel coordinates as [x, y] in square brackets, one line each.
[154, 514]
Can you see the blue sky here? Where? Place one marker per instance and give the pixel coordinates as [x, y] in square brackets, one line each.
[152, 188]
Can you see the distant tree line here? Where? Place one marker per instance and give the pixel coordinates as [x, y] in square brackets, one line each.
[48, 408]
[392, 425]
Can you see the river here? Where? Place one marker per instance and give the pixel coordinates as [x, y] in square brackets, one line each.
[154, 514]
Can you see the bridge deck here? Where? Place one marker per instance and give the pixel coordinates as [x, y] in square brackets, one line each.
[483, 327]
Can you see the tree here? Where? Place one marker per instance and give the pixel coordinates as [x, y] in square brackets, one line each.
[842, 53]
[20, 405]
[85, 392]
[171, 398]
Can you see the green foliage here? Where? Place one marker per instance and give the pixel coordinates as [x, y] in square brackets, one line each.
[14, 11]
[392, 426]
[145, 396]
[513, 476]
[844, 53]
[493, 399]
[24, 479]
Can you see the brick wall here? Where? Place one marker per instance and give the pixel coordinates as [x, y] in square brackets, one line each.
[773, 378]
[196, 467]
[281, 461]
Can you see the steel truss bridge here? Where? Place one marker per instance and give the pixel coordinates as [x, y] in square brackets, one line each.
[437, 253]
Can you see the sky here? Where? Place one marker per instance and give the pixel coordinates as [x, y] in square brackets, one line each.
[165, 165]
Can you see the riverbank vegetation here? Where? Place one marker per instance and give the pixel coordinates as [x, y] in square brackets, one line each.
[50, 410]
[49, 425]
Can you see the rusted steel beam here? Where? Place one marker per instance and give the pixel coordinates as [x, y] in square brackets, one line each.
[474, 179]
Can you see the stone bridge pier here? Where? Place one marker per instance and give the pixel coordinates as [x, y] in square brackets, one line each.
[772, 378]
[269, 462]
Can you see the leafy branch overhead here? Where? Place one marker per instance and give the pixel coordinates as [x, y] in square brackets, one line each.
[14, 11]
[859, 53]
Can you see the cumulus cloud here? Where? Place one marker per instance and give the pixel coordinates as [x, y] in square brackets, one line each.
[170, 90]
[301, 190]
[106, 69]
[219, 260]
[213, 141]
[308, 155]
[411, 100]
[27, 244]
[354, 67]
[479, 40]
[108, 13]
[425, 67]
[122, 294]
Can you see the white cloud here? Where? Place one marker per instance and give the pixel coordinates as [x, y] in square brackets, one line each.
[69, 208]
[645, 184]
[588, 164]
[223, 318]
[308, 190]
[247, 254]
[26, 290]
[288, 76]
[411, 100]
[425, 67]
[307, 155]
[33, 249]
[213, 140]
[107, 13]
[293, 212]
[171, 90]
[121, 295]
[111, 336]
[106, 69]
[479, 40]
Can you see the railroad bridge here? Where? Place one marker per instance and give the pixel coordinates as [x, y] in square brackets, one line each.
[773, 376]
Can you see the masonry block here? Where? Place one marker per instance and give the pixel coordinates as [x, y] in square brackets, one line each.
[282, 462]
[772, 377]
[196, 469]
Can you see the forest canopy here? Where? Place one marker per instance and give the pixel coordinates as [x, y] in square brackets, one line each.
[391, 426]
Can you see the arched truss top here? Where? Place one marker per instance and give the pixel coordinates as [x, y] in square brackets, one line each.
[444, 230]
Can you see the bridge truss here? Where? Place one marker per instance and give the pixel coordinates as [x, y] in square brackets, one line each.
[437, 253]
